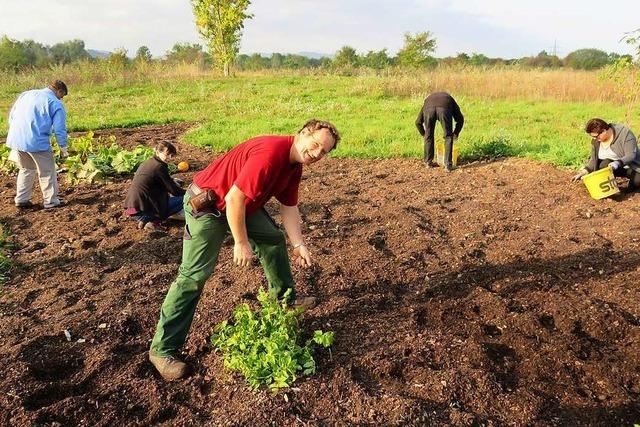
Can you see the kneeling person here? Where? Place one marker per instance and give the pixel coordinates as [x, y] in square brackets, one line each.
[614, 146]
[240, 183]
[154, 195]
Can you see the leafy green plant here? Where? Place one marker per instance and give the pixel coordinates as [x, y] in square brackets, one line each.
[489, 149]
[6, 165]
[128, 161]
[265, 345]
[95, 160]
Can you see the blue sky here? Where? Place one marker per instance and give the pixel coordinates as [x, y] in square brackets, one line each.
[493, 27]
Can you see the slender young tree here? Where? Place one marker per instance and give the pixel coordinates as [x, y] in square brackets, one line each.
[220, 23]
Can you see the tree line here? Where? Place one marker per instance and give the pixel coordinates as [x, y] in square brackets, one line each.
[416, 52]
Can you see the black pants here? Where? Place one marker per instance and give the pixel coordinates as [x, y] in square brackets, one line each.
[445, 117]
[634, 177]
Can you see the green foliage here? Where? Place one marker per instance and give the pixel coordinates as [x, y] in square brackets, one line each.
[118, 58]
[6, 165]
[186, 53]
[69, 51]
[626, 77]
[587, 59]
[346, 57]
[143, 54]
[543, 60]
[377, 60]
[265, 345]
[417, 50]
[221, 22]
[489, 149]
[13, 56]
[95, 160]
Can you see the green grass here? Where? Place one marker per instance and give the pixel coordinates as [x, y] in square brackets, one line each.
[373, 124]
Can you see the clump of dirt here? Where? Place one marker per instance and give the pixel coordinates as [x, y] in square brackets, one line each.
[487, 296]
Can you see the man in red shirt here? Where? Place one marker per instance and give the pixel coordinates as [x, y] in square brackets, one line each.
[242, 180]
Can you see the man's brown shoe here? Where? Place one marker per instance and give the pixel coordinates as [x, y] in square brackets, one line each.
[304, 303]
[169, 367]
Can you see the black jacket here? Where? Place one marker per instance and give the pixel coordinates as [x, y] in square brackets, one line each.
[149, 191]
[440, 100]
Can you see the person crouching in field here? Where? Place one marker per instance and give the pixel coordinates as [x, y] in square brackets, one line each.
[614, 146]
[229, 195]
[441, 107]
[154, 195]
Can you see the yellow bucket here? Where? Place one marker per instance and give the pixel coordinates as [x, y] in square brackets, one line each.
[601, 183]
[440, 154]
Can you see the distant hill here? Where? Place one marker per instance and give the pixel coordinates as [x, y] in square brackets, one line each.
[98, 53]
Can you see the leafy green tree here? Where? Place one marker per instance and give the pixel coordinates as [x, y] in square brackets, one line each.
[346, 57]
[118, 58]
[296, 61]
[417, 50]
[143, 54]
[37, 52]
[277, 60]
[13, 56]
[256, 62]
[479, 59]
[376, 59]
[69, 51]
[221, 22]
[543, 60]
[186, 53]
[587, 59]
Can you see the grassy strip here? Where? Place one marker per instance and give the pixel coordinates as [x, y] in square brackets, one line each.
[376, 119]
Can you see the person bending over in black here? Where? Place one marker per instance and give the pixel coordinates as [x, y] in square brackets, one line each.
[439, 106]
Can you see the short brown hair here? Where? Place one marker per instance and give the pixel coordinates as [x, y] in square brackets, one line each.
[59, 85]
[166, 147]
[596, 126]
[314, 125]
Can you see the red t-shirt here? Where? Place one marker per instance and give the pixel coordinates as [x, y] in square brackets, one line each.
[260, 168]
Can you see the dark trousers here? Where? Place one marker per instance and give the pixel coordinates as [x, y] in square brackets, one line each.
[634, 177]
[445, 117]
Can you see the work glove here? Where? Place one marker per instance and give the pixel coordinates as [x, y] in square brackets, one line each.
[615, 165]
[64, 153]
[579, 175]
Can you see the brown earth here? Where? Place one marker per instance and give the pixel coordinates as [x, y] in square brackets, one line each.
[499, 294]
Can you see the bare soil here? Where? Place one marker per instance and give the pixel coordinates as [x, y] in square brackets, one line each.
[499, 294]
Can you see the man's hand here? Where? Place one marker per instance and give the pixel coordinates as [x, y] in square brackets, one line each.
[614, 165]
[242, 254]
[64, 153]
[579, 175]
[302, 256]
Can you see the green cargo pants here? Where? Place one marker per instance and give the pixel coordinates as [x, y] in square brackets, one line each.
[203, 238]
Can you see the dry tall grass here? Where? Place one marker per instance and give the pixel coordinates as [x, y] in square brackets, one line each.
[507, 83]
[510, 83]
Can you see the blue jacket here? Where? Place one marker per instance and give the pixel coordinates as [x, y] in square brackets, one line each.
[33, 117]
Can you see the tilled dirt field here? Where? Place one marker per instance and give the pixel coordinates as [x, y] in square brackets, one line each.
[499, 294]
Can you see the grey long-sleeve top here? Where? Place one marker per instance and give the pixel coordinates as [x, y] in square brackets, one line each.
[624, 144]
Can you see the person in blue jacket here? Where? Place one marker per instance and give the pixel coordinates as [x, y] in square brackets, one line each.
[35, 115]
